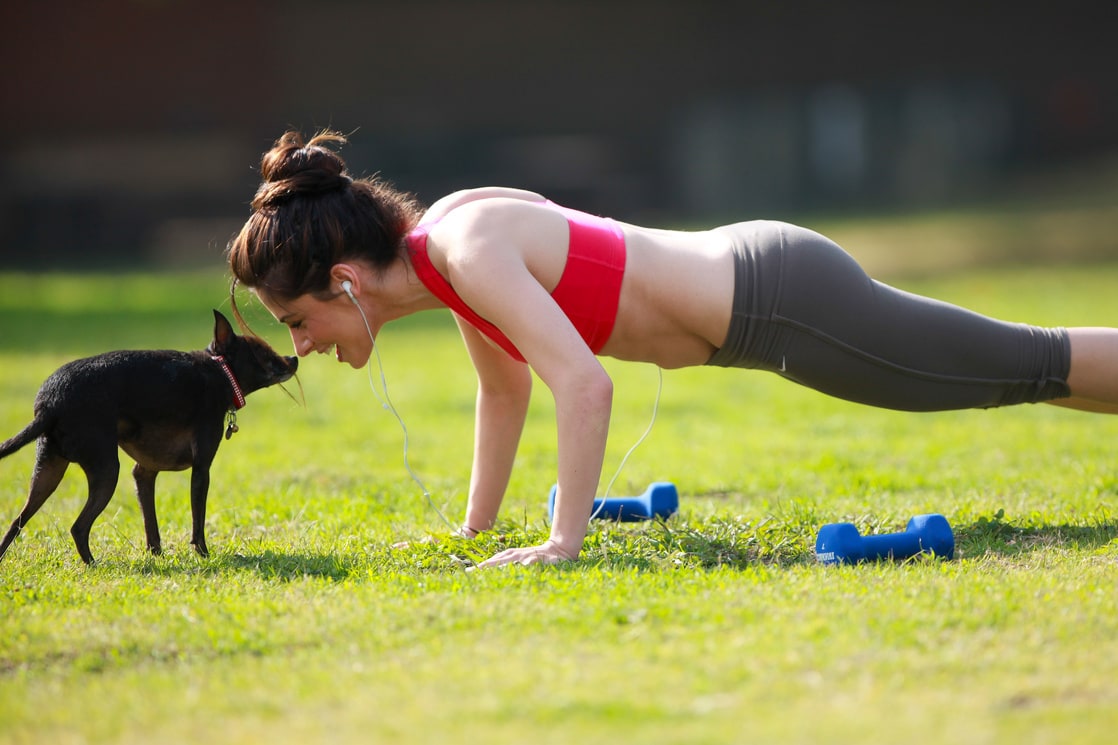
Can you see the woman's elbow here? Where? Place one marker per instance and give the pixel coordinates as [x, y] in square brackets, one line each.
[598, 390]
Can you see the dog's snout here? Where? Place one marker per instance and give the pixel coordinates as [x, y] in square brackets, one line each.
[285, 368]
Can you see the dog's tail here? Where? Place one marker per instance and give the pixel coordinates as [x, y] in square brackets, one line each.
[29, 433]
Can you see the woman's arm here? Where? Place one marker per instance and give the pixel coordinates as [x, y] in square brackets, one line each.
[504, 390]
[583, 399]
[487, 250]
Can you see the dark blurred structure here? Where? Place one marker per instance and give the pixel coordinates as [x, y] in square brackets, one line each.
[131, 128]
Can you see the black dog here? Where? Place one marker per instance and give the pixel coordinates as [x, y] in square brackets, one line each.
[166, 409]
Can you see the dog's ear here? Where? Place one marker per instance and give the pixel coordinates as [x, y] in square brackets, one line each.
[223, 334]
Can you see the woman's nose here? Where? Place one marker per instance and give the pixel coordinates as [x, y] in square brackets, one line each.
[302, 343]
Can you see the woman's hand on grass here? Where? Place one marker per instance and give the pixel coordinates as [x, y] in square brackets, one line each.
[548, 552]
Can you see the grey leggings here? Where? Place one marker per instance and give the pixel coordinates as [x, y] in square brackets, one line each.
[803, 308]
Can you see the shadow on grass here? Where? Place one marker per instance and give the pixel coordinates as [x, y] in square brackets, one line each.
[289, 566]
[782, 544]
[995, 535]
[269, 564]
[721, 544]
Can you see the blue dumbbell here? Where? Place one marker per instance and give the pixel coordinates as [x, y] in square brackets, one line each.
[660, 499]
[840, 543]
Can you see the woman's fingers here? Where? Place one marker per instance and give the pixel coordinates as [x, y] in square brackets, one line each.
[546, 553]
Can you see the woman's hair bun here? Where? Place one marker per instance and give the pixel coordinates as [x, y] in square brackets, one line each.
[297, 168]
[309, 215]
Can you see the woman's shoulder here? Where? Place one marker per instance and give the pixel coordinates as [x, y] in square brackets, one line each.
[496, 217]
[494, 226]
[454, 200]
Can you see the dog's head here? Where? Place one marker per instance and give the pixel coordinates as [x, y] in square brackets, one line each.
[255, 364]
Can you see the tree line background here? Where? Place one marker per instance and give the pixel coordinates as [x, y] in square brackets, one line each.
[131, 129]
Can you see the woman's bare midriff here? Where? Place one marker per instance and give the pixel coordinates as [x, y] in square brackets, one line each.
[675, 299]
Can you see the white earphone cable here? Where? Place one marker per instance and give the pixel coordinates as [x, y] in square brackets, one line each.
[386, 403]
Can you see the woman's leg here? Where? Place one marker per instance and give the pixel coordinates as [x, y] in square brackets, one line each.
[810, 314]
[1093, 378]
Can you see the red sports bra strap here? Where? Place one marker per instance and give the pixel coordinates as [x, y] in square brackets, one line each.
[430, 277]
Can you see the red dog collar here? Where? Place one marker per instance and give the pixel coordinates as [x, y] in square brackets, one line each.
[238, 396]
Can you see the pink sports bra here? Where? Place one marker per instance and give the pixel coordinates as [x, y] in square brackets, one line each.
[588, 291]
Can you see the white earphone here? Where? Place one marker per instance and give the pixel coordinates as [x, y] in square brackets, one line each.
[347, 288]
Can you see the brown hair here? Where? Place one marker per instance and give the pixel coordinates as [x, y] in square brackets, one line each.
[310, 214]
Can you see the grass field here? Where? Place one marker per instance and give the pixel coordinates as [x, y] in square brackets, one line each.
[307, 625]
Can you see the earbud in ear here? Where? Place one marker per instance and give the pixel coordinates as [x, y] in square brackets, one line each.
[347, 288]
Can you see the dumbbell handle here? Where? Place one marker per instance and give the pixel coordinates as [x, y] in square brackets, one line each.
[621, 508]
[896, 545]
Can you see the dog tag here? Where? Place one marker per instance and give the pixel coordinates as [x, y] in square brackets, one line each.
[231, 424]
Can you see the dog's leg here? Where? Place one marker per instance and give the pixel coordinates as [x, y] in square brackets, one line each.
[49, 469]
[145, 493]
[199, 488]
[102, 476]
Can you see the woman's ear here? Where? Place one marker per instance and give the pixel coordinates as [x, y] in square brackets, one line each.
[344, 278]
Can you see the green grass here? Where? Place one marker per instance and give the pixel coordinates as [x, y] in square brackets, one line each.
[307, 625]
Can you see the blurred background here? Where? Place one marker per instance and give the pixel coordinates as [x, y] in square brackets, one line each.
[131, 130]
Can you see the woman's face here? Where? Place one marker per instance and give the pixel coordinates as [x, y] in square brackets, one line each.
[321, 325]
